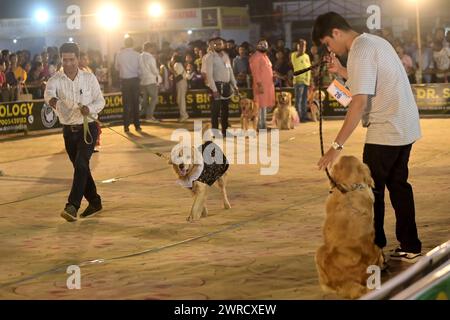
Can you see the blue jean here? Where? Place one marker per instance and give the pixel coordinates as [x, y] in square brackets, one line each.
[262, 118]
[301, 100]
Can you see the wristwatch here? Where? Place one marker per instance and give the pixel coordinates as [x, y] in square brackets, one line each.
[337, 146]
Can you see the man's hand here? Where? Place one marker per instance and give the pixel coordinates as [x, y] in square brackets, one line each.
[216, 95]
[53, 102]
[84, 110]
[335, 66]
[236, 90]
[328, 158]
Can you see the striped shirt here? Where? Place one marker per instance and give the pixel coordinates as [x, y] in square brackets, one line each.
[83, 89]
[374, 69]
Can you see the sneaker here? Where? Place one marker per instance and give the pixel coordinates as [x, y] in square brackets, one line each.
[69, 213]
[152, 120]
[410, 257]
[183, 119]
[91, 210]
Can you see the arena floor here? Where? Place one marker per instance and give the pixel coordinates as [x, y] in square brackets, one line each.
[141, 247]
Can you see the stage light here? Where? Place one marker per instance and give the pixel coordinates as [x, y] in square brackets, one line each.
[108, 17]
[41, 15]
[155, 10]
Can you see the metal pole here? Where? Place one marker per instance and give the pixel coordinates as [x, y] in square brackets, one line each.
[419, 45]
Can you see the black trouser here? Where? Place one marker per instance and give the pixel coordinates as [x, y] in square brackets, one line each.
[80, 153]
[219, 107]
[130, 99]
[389, 168]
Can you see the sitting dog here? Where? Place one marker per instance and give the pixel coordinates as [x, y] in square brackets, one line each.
[249, 114]
[348, 231]
[285, 115]
[197, 169]
[314, 104]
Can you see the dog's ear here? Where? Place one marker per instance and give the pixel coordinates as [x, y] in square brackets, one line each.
[367, 177]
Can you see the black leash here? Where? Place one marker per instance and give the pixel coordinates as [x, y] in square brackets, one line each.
[333, 183]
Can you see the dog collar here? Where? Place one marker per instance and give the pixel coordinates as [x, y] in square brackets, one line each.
[353, 187]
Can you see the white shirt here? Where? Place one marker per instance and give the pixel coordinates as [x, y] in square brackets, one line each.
[374, 69]
[217, 68]
[127, 63]
[148, 72]
[84, 89]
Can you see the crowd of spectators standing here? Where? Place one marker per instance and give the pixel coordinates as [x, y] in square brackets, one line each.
[21, 73]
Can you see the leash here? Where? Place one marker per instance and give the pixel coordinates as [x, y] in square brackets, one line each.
[330, 178]
[86, 133]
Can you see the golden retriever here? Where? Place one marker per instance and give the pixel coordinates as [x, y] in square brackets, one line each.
[314, 104]
[348, 232]
[197, 169]
[249, 114]
[285, 114]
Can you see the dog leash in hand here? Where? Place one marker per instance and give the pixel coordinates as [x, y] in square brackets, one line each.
[86, 133]
[333, 183]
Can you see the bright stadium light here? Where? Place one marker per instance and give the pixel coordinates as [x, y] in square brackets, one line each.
[41, 15]
[14, 40]
[155, 10]
[108, 17]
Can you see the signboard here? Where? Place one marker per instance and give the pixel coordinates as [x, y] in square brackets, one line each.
[210, 17]
[234, 18]
[432, 99]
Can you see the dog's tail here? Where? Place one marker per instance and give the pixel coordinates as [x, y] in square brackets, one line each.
[206, 129]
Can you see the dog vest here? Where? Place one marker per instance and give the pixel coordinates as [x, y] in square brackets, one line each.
[210, 170]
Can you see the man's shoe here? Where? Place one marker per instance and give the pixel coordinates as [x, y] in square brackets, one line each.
[152, 120]
[126, 129]
[138, 129]
[69, 213]
[91, 210]
[410, 257]
[183, 119]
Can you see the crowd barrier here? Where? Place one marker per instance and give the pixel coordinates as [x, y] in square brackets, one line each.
[20, 116]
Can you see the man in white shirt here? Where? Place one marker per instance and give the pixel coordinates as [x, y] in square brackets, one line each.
[220, 80]
[150, 79]
[383, 100]
[75, 94]
[127, 63]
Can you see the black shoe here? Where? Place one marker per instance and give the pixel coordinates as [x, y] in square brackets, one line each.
[91, 210]
[70, 213]
[138, 129]
[126, 129]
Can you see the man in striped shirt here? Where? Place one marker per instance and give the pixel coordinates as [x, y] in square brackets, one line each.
[383, 100]
[65, 92]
